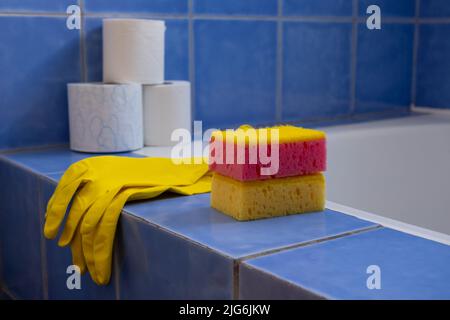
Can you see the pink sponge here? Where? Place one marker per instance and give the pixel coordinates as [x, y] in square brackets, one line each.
[296, 157]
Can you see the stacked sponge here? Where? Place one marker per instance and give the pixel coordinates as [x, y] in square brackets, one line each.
[271, 172]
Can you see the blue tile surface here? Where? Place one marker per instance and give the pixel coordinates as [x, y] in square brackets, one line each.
[176, 49]
[20, 237]
[434, 8]
[52, 160]
[389, 8]
[193, 217]
[137, 6]
[58, 259]
[155, 264]
[239, 7]
[235, 72]
[35, 6]
[317, 7]
[411, 268]
[316, 70]
[433, 66]
[33, 81]
[384, 67]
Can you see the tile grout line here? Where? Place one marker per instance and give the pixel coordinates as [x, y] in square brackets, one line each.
[235, 293]
[415, 54]
[310, 242]
[83, 63]
[191, 58]
[279, 66]
[43, 248]
[116, 266]
[191, 16]
[353, 57]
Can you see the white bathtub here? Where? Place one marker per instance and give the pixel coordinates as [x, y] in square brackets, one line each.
[394, 172]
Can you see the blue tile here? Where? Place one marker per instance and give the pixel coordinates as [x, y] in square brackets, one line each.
[411, 268]
[316, 70]
[193, 217]
[317, 7]
[176, 52]
[52, 160]
[137, 6]
[155, 264]
[235, 72]
[39, 55]
[58, 259]
[389, 8]
[433, 66]
[239, 7]
[20, 233]
[384, 67]
[435, 8]
[35, 6]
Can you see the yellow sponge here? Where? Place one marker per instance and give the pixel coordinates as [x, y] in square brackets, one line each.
[268, 198]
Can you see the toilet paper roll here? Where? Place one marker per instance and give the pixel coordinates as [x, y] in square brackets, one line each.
[133, 51]
[105, 117]
[166, 107]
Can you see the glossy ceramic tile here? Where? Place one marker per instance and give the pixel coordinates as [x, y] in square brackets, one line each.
[33, 82]
[176, 49]
[155, 264]
[316, 70]
[35, 6]
[317, 7]
[57, 260]
[384, 67]
[234, 72]
[192, 217]
[410, 268]
[52, 160]
[136, 6]
[236, 7]
[20, 236]
[435, 8]
[433, 66]
[389, 8]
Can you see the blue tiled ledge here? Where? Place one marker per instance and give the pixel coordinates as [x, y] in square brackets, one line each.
[172, 247]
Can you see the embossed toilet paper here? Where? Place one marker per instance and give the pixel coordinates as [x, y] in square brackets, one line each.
[105, 117]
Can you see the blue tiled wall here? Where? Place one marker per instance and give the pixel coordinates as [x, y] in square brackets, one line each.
[249, 61]
[433, 57]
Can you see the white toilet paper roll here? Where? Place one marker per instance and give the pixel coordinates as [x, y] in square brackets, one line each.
[133, 51]
[166, 107]
[105, 117]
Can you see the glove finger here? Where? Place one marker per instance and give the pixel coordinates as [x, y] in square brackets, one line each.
[57, 210]
[87, 228]
[95, 212]
[77, 253]
[74, 172]
[104, 237]
[80, 204]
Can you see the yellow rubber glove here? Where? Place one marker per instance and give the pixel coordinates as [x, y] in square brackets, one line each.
[93, 183]
[99, 226]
